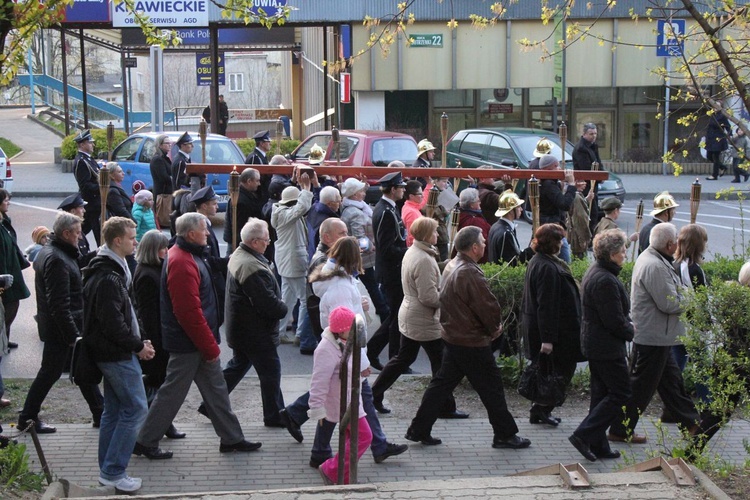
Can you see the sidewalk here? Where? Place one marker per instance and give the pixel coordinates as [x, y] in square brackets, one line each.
[283, 463]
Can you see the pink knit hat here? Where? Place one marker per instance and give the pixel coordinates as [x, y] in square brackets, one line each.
[340, 320]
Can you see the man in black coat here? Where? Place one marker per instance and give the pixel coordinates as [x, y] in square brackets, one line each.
[86, 172]
[161, 173]
[206, 204]
[223, 116]
[75, 205]
[503, 242]
[253, 311]
[585, 153]
[59, 301]
[665, 207]
[259, 156]
[249, 204]
[180, 161]
[554, 202]
[390, 247]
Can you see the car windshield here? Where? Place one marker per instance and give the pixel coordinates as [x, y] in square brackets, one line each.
[526, 145]
[385, 151]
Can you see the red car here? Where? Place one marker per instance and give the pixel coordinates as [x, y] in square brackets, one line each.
[361, 148]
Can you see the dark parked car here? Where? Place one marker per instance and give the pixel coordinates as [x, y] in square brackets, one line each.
[499, 147]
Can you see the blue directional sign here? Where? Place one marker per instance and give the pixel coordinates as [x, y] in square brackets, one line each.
[669, 42]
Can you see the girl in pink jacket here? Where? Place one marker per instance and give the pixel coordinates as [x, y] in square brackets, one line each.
[325, 389]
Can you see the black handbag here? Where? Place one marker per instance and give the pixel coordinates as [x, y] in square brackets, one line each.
[541, 384]
[83, 368]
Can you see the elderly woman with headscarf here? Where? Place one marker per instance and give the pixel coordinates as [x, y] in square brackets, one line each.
[551, 312]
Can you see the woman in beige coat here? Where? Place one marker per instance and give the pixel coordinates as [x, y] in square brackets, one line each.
[419, 315]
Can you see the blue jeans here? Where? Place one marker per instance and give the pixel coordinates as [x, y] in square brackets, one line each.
[125, 411]
[322, 444]
[565, 250]
[307, 340]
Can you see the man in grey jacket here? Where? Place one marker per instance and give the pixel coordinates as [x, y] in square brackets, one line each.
[656, 295]
[288, 219]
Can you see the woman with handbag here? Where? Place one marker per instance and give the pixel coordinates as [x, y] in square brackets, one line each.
[551, 313]
[150, 255]
[605, 328]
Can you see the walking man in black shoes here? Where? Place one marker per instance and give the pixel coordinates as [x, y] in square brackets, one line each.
[470, 318]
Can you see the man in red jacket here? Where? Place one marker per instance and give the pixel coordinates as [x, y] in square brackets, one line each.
[190, 330]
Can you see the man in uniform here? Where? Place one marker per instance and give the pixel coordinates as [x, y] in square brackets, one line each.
[75, 205]
[390, 247]
[206, 204]
[585, 153]
[611, 207]
[180, 161]
[503, 242]
[259, 156]
[665, 207]
[249, 204]
[86, 172]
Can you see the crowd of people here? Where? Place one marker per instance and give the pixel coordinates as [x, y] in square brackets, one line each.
[151, 318]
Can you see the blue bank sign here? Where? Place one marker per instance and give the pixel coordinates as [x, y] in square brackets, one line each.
[163, 13]
[270, 7]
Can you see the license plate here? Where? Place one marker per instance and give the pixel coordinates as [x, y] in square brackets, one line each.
[223, 198]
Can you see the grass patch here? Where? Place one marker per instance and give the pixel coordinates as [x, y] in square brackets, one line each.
[10, 148]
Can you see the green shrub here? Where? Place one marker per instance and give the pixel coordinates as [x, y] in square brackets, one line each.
[14, 470]
[9, 147]
[69, 148]
[248, 145]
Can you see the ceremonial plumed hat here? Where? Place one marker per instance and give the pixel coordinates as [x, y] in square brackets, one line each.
[84, 135]
[663, 201]
[424, 146]
[184, 139]
[203, 195]
[72, 201]
[392, 180]
[316, 155]
[507, 202]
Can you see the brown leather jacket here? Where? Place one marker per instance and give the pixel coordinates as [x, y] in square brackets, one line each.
[469, 313]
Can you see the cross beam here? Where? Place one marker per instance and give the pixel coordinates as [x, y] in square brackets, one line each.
[378, 172]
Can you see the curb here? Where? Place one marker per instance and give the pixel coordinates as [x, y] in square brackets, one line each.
[709, 486]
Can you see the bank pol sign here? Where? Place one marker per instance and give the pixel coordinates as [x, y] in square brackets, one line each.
[163, 13]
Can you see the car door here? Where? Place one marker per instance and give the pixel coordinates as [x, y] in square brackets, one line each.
[303, 150]
[472, 151]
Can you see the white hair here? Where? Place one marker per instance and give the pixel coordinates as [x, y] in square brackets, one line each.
[468, 196]
[253, 229]
[662, 235]
[329, 194]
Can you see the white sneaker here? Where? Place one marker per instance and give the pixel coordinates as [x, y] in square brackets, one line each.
[127, 483]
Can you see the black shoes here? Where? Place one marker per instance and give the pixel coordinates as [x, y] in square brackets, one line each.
[243, 445]
[291, 426]
[607, 454]
[173, 433]
[5, 441]
[39, 426]
[582, 447]
[317, 462]
[96, 421]
[543, 418]
[425, 440]
[154, 453]
[278, 425]
[454, 415]
[515, 442]
[202, 410]
[379, 406]
[307, 352]
[12, 345]
[391, 450]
